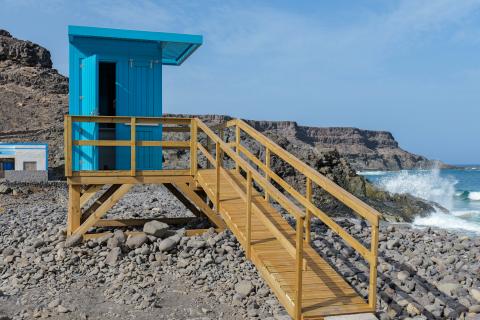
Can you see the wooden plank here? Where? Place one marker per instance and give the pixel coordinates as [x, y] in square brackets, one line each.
[74, 214]
[184, 200]
[195, 198]
[218, 166]
[139, 143]
[193, 148]
[126, 119]
[175, 129]
[139, 173]
[308, 196]
[131, 180]
[249, 214]
[140, 222]
[267, 167]
[372, 290]
[96, 204]
[204, 151]
[103, 208]
[89, 193]
[198, 232]
[299, 269]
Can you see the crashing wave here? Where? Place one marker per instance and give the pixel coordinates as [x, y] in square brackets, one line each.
[449, 221]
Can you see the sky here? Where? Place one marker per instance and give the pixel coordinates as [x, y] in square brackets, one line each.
[410, 67]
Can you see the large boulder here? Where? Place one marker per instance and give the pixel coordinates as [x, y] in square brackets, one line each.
[156, 228]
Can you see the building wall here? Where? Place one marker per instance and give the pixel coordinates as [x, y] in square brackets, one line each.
[26, 153]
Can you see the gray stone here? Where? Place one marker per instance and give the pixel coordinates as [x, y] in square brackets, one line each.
[474, 308]
[475, 293]
[403, 276]
[73, 240]
[394, 243]
[134, 242]
[448, 287]
[156, 228]
[62, 309]
[243, 288]
[169, 243]
[113, 256]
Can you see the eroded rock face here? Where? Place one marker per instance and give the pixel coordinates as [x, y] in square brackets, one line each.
[23, 52]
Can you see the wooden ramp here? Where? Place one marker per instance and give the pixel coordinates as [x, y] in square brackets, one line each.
[324, 290]
[226, 183]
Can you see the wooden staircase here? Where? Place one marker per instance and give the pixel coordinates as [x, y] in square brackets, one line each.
[232, 188]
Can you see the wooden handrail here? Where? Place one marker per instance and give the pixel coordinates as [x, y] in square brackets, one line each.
[364, 210]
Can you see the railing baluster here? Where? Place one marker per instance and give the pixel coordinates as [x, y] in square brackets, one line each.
[209, 165]
[193, 147]
[308, 218]
[237, 143]
[133, 145]
[299, 268]
[249, 214]
[372, 294]
[267, 167]
[218, 165]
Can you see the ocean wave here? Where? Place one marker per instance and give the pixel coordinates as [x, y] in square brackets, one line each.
[468, 195]
[447, 221]
[474, 196]
[427, 185]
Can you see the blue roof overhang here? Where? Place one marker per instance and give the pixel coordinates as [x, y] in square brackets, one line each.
[176, 47]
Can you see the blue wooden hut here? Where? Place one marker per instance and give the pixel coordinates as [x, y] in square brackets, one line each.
[119, 73]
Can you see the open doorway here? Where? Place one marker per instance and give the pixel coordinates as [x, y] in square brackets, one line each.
[107, 107]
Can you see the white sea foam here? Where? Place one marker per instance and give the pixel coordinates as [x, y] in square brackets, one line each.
[427, 185]
[370, 173]
[474, 196]
[447, 221]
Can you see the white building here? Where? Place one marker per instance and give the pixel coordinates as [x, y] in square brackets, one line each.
[16, 158]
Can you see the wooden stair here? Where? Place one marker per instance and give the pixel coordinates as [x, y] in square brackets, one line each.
[325, 292]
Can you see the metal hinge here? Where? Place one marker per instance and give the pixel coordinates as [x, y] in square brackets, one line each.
[130, 61]
[81, 97]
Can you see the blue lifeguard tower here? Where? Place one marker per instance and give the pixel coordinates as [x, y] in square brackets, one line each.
[119, 73]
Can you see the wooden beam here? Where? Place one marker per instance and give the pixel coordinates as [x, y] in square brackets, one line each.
[128, 143]
[198, 201]
[198, 232]
[372, 289]
[308, 218]
[68, 146]
[126, 119]
[139, 173]
[74, 215]
[103, 208]
[89, 193]
[249, 215]
[135, 222]
[104, 197]
[130, 180]
[193, 148]
[184, 200]
[299, 269]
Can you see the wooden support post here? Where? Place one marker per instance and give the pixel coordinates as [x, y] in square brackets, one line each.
[133, 145]
[68, 145]
[209, 165]
[249, 214]
[299, 268]
[267, 167]
[237, 148]
[372, 294]
[218, 165]
[74, 214]
[308, 195]
[193, 147]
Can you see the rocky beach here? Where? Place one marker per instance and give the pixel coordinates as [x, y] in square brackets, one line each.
[422, 273]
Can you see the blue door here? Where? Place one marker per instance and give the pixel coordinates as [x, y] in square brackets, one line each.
[144, 99]
[86, 157]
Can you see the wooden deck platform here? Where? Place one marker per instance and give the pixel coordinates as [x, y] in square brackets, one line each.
[325, 292]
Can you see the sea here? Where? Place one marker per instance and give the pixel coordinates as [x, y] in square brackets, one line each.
[457, 190]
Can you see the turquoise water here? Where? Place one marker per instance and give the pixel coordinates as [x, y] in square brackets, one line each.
[456, 190]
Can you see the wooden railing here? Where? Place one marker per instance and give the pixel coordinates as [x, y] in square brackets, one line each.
[168, 125]
[303, 218]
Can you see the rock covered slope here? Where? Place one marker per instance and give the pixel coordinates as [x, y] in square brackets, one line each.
[33, 96]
